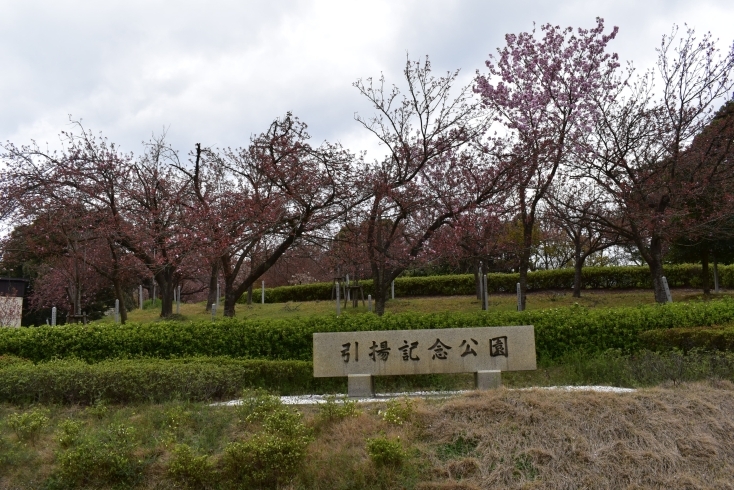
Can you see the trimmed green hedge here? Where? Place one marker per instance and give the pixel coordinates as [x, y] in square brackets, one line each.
[557, 332]
[685, 339]
[685, 275]
[155, 380]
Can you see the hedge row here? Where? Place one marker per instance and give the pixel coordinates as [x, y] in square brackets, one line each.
[685, 339]
[155, 380]
[685, 275]
[557, 332]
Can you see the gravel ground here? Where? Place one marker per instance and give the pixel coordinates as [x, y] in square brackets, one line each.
[316, 399]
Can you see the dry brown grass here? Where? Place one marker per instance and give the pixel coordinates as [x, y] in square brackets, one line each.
[677, 437]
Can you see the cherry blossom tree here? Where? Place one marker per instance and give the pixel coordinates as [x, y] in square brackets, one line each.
[639, 159]
[436, 168]
[543, 91]
[275, 193]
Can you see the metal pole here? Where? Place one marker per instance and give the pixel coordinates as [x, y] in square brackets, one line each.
[485, 294]
[53, 316]
[716, 275]
[262, 293]
[348, 293]
[217, 293]
[392, 286]
[178, 301]
[214, 311]
[338, 299]
[369, 303]
[140, 296]
[481, 287]
[117, 311]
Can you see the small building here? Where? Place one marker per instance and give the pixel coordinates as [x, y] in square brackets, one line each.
[12, 292]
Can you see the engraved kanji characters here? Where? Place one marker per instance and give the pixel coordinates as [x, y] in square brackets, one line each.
[498, 346]
[468, 350]
[383, 352]
[440, 350]
[407, 350]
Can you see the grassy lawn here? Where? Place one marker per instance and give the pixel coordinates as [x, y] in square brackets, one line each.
[500, 302]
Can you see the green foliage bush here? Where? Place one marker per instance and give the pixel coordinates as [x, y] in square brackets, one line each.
[98, 459]
[273, 455]
[557, 331]
[398, 411]
[333, 410]
[680, 275]
[28, 425]
[189, 470]
[386, 452]
[154, 380]
[685, 339]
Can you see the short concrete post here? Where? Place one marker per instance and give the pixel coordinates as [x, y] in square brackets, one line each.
[140, 296]
[481, 288]
[485, 294]
[53, 316]
[519, 297]
[262, 293]
[667, 290]
[117, 311]
[338, 299]
[369, 303]
[214, 311]
[392, 286]
[487, 380]
[360, 386]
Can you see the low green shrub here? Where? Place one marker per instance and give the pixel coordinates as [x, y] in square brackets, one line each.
[685, 339]
[100, 458]
[386, 452]
[334, 409]
[557, 331]
[646, 368]
[272, 456]
[189, 470]
[154, 380]
[398, 411]
[28, 425]
[632, 277]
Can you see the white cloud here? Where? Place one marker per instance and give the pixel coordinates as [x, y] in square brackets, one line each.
[217, 72]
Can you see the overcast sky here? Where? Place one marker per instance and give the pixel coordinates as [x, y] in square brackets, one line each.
[216, 72]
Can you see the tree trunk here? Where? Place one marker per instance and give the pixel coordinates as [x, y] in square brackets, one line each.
[381, 292]
[578, 264]
[527, 238]
[164, 279]
[230, 295]
[705, 271]
[213, 277]
[655, 263]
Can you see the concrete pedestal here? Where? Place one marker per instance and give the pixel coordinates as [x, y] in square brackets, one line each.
[361, 386]
[487, 380]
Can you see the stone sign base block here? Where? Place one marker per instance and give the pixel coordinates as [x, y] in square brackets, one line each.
[487, 380]
[361, 386]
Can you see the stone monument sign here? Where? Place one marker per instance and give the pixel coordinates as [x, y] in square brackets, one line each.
[485, 351]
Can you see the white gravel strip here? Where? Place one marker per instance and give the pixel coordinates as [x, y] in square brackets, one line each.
[316, 399]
